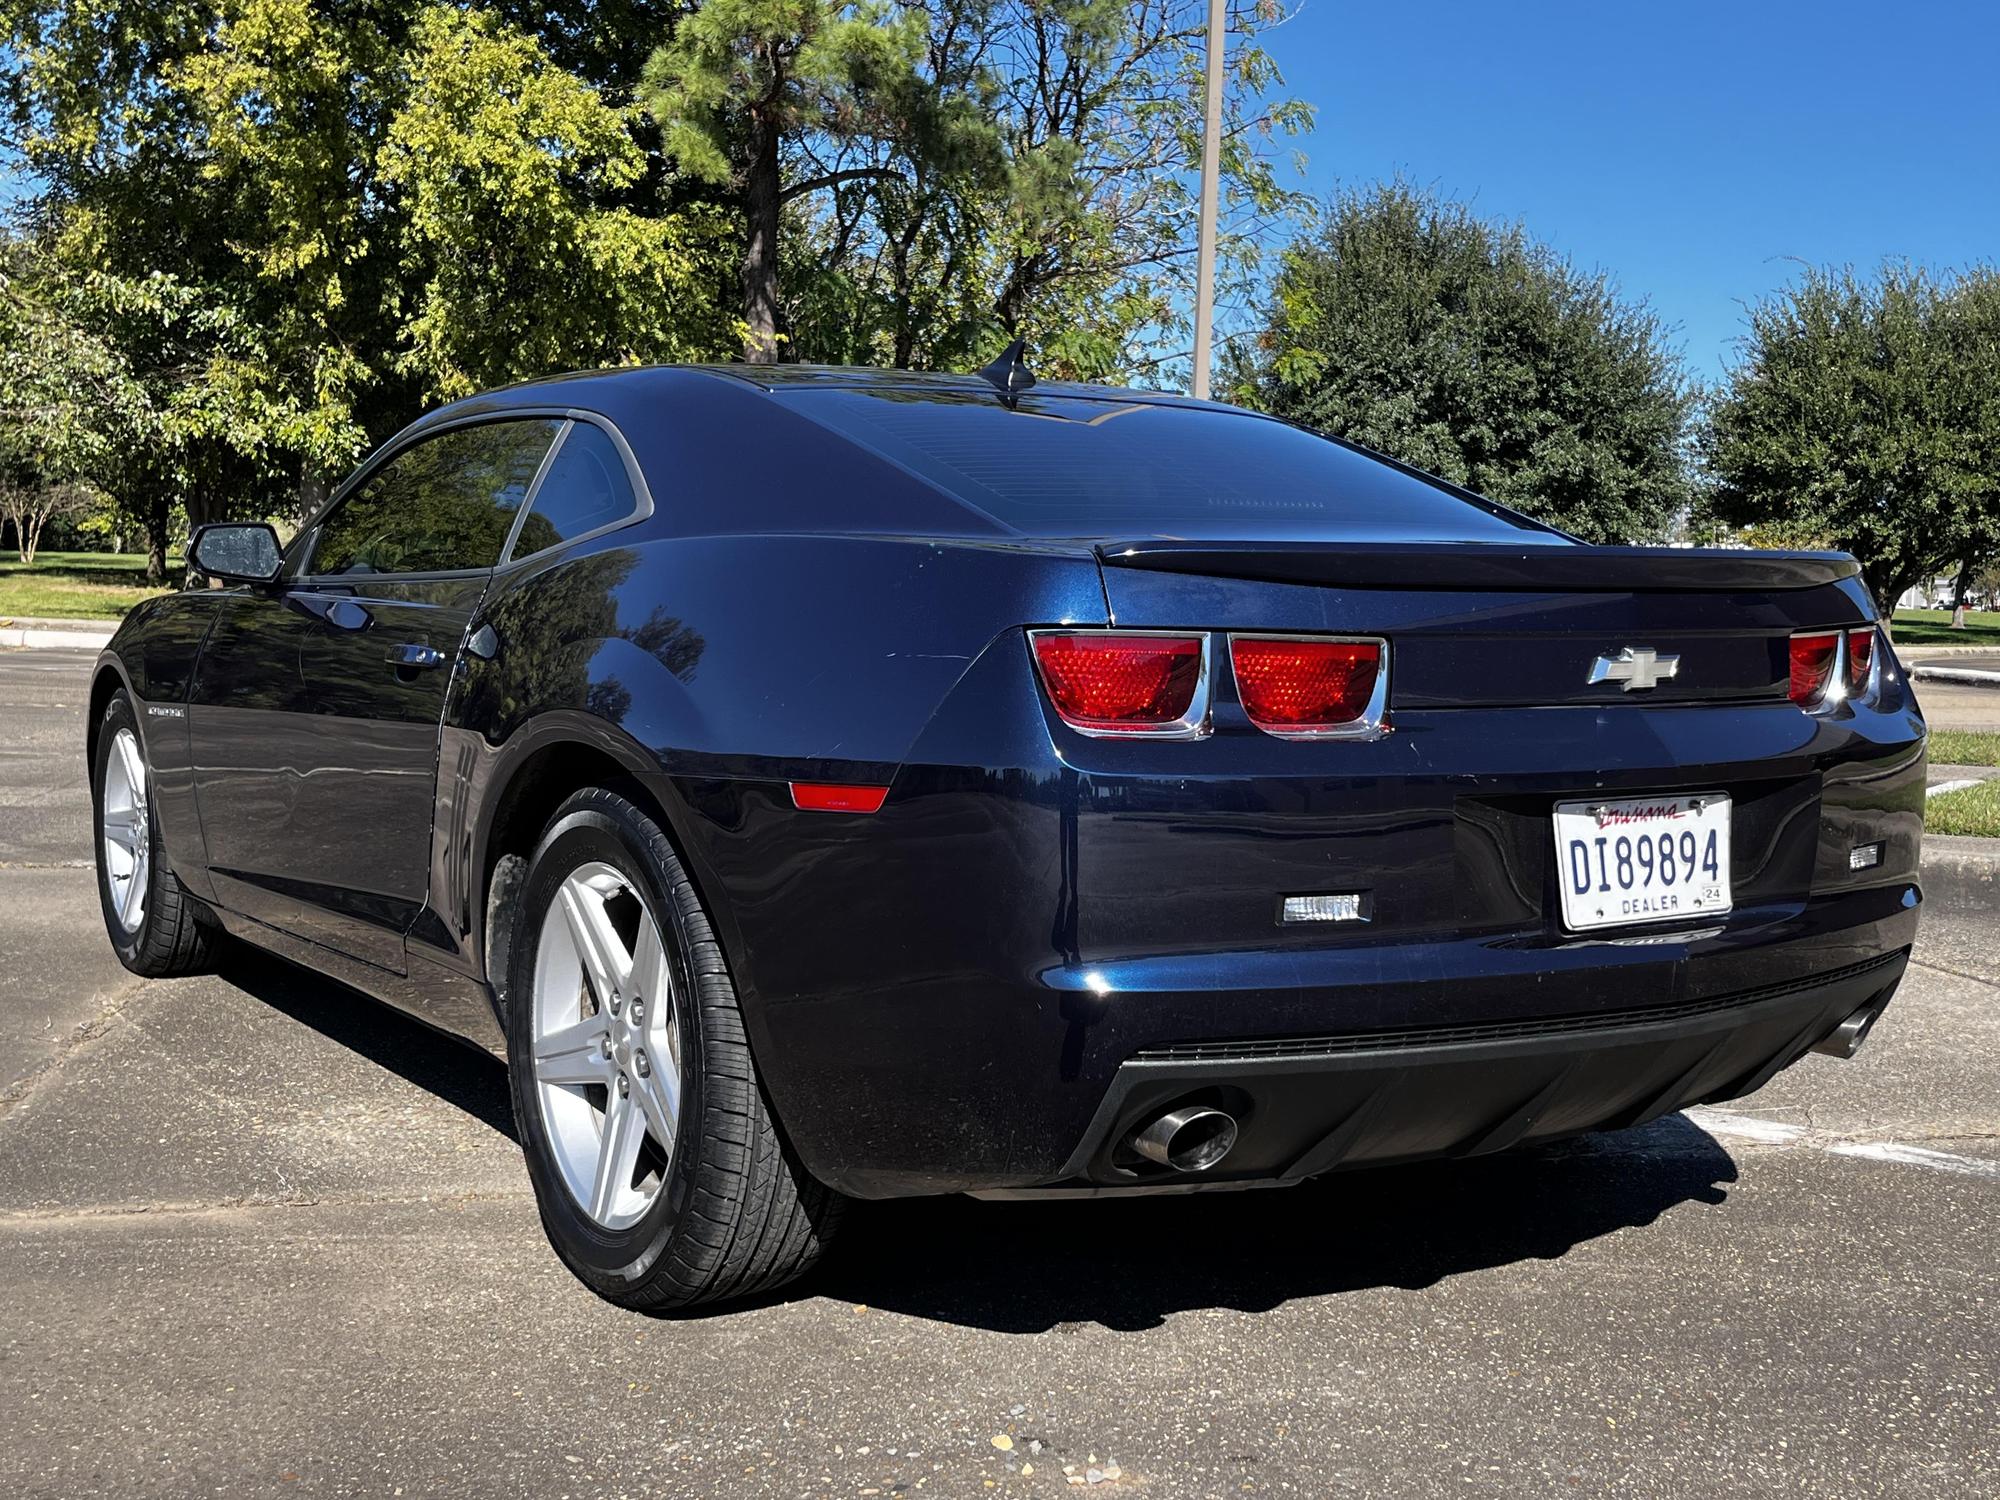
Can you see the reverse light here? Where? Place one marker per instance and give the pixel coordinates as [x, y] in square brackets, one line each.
[1344, 907]
[1126, 682]
[1860, 659]
[1311, 687]
[1864, 856]
[1814, 655]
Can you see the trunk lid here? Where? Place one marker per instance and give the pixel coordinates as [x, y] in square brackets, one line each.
[1476, 625]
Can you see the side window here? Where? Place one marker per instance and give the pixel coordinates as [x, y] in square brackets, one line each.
[587, 487]
[445, 504]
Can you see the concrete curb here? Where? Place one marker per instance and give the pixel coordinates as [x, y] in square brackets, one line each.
[1962, 874]
[47, 638]
[1970, 676]
[1913, 655]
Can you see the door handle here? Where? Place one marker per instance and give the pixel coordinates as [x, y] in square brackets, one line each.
[414, 654]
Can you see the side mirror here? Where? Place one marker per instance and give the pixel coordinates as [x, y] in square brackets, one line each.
[245, 553]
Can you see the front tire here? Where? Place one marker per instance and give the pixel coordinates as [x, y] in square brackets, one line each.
[661, 1175]
[153, 926]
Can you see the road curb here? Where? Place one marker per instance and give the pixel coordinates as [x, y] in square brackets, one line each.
[1962, 874]
[1970, 676]
[42, 638]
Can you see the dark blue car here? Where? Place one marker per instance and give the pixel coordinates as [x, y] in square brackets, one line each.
[824, 783]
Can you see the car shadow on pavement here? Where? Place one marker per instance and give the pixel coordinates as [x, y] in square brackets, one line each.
[1029, 1266]
[462, 1076]
[1026, 1266]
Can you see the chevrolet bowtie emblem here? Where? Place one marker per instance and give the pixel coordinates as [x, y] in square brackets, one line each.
[1636, 666]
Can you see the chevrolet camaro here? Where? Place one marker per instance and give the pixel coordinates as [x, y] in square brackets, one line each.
[825, 784]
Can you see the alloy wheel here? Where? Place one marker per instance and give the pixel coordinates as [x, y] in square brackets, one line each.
[606, 1045]
[125, 831]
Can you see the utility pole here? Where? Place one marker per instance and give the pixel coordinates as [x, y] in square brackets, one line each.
[1211, 184]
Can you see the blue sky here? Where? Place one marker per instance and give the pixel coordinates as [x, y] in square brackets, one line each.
[1689, 149]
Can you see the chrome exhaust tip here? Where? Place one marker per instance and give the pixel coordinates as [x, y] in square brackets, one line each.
[1845, 1039]
[1188, 1140]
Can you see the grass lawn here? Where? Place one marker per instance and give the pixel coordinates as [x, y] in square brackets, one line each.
[1932, 627]
[1973, 809]
[74, 585]
[1964, 747]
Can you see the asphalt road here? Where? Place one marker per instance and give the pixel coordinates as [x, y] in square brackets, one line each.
[257, 1235]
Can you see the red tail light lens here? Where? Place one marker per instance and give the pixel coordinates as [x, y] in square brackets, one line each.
[1107, 682]
[1305, 688]
[1860, 659]
[1812, 665]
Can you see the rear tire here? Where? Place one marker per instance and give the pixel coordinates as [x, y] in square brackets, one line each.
[153, 925]
[722, 1209]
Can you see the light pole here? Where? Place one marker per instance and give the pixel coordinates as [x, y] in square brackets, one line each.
[1211, 175]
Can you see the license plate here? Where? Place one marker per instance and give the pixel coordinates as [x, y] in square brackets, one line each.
[1628, 860]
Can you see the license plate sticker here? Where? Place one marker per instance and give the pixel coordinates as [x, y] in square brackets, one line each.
[1623, 861]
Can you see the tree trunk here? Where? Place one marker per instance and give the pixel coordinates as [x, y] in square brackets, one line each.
[760, 251]
[157, 520]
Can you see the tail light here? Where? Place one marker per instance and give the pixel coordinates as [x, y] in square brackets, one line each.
[1814, 656]
[1300, 687]
[1126, 682]
[1860, 660]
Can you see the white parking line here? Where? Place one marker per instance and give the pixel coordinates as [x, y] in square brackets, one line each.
[1723, 1122]
[1951, 786]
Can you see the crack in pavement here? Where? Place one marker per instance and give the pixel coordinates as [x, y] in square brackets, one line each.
[1978, 979]
[113, 1009]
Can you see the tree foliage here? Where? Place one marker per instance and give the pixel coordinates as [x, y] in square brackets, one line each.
[1048, 190]
[291, 225]
[517, 254]
[1865, 415]
[1469, 350]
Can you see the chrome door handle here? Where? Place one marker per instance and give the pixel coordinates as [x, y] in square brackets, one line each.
[413, 654]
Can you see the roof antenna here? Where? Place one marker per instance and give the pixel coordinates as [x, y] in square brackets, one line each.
[1009, 374]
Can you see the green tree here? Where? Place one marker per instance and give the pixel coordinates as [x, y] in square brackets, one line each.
[1048, 190]
[323, 217]
[518, 257]
[67, 403]
[1866, 411]
[742, 84]
[1471, 351]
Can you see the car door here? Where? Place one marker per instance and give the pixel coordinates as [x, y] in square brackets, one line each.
[314, 715]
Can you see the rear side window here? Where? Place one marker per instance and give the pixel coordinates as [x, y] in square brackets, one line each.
[445, 504]
[586, 487]
[1062, 466]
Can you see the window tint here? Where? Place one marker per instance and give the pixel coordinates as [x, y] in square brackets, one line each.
[447, 503]
[1070, 467]
[587, 487]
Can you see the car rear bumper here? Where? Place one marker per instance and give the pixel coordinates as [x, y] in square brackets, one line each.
[1328, 1058]
[1308, 1105]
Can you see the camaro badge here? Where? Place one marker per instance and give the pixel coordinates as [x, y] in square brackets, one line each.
[1636, 666]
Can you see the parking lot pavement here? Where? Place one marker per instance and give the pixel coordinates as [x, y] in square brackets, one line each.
[257, 1234]
[1949, 705]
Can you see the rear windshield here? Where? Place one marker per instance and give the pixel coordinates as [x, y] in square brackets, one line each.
[1061, 466]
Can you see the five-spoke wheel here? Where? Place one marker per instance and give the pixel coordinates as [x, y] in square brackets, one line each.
[658, 1165]
[125, 830]
[606, 1046]
[155, 927]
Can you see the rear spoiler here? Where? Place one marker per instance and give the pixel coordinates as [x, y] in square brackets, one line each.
[1547, 567]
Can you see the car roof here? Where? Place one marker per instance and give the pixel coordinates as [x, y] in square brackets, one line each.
[776, 379]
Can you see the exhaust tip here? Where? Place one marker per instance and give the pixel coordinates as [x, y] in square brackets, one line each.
[1188, 1140]
[1845, 1039]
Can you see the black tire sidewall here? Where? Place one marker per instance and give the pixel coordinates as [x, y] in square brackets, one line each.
[119, 714]
[615, 833]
